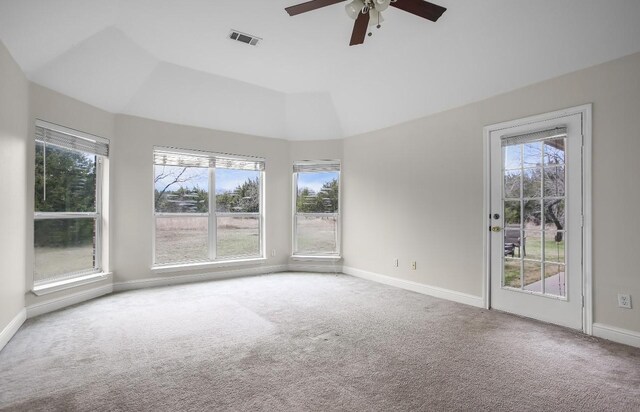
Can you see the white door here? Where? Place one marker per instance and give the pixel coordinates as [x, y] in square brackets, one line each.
[536, 220]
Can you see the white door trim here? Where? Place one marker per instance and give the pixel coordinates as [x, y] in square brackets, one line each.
[587, 274]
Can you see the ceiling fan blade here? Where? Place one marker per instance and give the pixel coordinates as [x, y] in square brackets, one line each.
[360, 29]
[421, 8]
[310, 5]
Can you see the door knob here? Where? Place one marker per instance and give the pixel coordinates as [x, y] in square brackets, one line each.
[496, 228]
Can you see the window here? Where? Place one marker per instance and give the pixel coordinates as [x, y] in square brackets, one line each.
[208, 207]
[316, 223]
[67, 218]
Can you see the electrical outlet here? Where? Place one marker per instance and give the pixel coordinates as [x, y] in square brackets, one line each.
[273, 253]
[395, 263]
[414, 265]
[624, 301]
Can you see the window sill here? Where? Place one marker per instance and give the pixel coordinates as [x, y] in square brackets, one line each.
[313, 258]
[52, 287]
[206, 265]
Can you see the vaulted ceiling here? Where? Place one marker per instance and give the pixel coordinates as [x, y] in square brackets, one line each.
[171, 60]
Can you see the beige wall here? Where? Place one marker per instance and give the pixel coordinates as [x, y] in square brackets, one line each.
[133, 192]
[14, 109]
[415, 191]
[315, 150]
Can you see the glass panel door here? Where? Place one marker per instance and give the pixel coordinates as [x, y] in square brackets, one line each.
[533, 200]
[535, 221]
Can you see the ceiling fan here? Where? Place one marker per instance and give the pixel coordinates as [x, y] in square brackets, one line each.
[367, 12]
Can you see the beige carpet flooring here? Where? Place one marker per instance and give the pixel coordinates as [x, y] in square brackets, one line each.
[302, 342]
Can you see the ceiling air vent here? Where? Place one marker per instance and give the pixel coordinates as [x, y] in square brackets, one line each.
[244, 37]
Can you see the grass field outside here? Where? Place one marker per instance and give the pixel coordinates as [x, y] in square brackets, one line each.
[185, 239]
[53, 263]
[238, 236]
[316, 235]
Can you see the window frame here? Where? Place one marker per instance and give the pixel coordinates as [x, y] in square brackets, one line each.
[211, 215]
[71, 278]
[316, 166]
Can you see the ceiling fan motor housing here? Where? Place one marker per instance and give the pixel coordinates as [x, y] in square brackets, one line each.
[374, 7]
[367, 12]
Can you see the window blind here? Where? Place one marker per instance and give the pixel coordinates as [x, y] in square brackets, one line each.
[50, 134]
[556, 133]
[175, 157]
[317, 166]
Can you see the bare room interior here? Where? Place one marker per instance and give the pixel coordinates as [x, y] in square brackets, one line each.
[330, 205]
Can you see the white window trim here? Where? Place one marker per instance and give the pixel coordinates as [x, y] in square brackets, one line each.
[337, 255]
[212, 216]
[40, 288]
[183, 267]
[319, 258]
[51, 287]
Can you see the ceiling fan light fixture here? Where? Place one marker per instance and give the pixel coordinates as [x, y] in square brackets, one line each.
[354, 8]
[381, 5]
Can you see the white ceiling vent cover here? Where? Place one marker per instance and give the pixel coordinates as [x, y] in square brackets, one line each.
[244, 37]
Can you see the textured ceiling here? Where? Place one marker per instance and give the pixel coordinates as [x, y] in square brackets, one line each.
[171, 60]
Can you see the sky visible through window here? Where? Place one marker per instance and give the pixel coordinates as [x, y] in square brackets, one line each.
[315, 180]
[226, 179]
[530, 154]
[229, 179]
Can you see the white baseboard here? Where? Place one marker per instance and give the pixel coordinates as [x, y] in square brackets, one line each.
[310, 267]
[625, 336]
[177, 280]
[63, 302]
[437, 292]
[11, 329]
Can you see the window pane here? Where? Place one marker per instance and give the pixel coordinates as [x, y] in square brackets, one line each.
[532, 215]
[181, 189]
[512, 268]
[317, 192]
[63, 247]
[513, 241]
[237, 191]
[554, 151]
[512, 213]
[554, 178]
[513, 157]
[531, 182]
[532, 245]
[181, 239]
[554, 213]
[532, 154]
[316, 235]
[532, 276]
[238, 236]
[554, 282]
[65, 180]
[554, 246]
[512, 183]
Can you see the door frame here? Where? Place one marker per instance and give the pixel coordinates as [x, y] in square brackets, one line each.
[587, 229]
